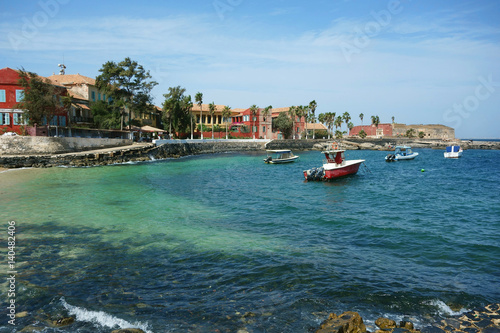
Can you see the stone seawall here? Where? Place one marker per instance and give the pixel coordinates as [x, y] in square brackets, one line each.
[40, 145]
[132, 153]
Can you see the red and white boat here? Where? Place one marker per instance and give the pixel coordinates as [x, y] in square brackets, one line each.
[334, 166]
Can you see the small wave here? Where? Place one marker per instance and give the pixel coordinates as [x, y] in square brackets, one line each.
[101, 318]
[444, 309]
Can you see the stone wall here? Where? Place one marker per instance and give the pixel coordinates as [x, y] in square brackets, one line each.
[30, 145]
[129, 154]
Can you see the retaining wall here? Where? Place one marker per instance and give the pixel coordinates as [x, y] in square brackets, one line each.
[37, 145]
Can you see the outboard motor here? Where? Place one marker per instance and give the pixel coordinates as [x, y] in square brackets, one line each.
[390, 158]
[268, 159]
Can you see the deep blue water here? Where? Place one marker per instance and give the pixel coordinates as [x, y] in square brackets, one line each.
[226, 242]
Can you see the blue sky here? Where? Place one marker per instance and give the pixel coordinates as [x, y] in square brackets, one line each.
[431, 62]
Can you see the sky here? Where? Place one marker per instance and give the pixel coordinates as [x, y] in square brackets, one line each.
[419, 61]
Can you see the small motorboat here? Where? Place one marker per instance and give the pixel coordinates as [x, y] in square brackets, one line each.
[280, 156]
[401, 153]
[334, 166]
[454, 151]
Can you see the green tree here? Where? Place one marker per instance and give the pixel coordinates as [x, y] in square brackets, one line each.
[177, 108]
[350, 125]
[266, 113]
[41, 99]
[106, 115]
[293, 112]
[362, 134]
[338, 123]
[346, 117]
[410, 133]
[253, 111]
[211, 109]
[330, 120]
[393, 119]
[312, 107]
[226, 114]
[199, 100]
[375, 121]
[421, 135]
[361, 116]
[284, 124]
[129, 82]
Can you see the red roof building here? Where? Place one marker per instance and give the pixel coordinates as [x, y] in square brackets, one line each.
[11, 93]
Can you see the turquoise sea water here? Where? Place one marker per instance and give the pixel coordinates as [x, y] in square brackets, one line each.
[226, 242]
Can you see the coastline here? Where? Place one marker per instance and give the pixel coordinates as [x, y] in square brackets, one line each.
[150, 152]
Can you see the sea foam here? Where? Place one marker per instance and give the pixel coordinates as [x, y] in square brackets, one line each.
[101, 318]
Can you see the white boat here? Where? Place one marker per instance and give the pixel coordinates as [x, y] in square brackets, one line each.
[401, 153]
[280, 156]
[454, 151]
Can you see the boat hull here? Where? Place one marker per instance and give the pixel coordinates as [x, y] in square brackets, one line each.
[283, 160]
[453, 154]
[331, 171]
[350, 168]
[405, 157]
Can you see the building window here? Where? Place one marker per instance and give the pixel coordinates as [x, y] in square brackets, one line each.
[4, 118]
[98, 96]
[2, 96]
[93, 96]
[264, 129]
[62, 121]
[18, 119]
[246, 118]
[254, 129]
[19, 95]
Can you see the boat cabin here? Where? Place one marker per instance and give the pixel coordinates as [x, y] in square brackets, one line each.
[403, 151]
[452, 149]
[334, 156]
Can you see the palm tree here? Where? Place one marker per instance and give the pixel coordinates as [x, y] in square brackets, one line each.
[338, 122]
[361, 117]
[253, 111]
[226, 113]
[189, 107]
[393, 119]
[199, 100]
[312, 107]
[266, 113]
[346, 116]
[330, 119]
[375, 121]
[211, 109]
[293, 111]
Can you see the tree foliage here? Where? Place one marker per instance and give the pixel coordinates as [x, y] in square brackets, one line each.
[284, 124]
[129, 82]
[177, 110]
[42, 100]
[106, 115]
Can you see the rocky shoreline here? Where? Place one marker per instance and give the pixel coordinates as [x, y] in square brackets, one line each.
[481, 320]
[149, 152]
